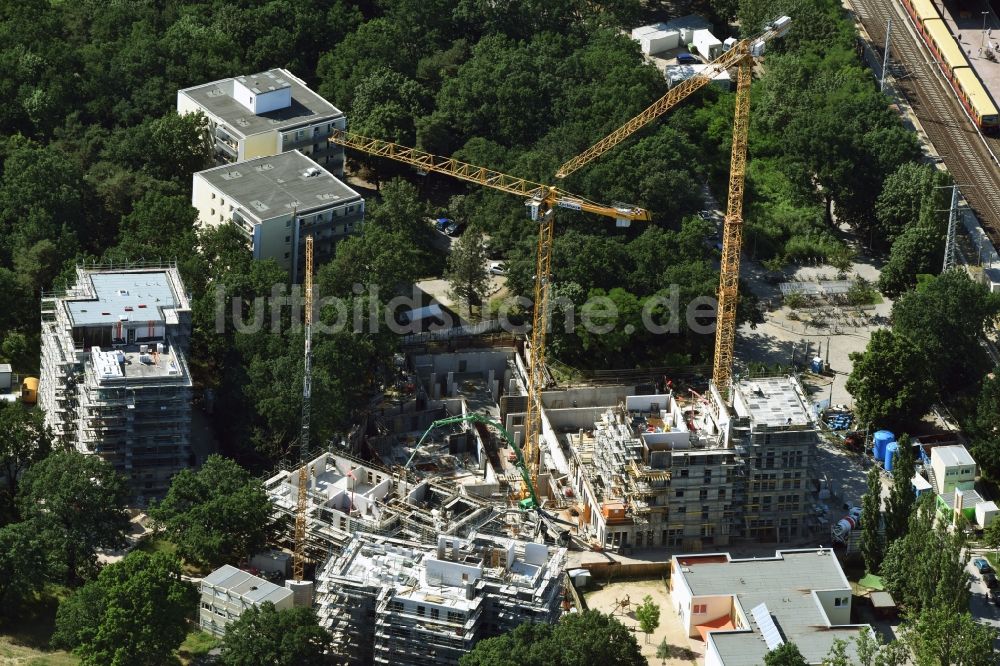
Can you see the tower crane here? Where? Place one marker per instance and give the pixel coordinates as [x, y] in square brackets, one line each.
[741, 56]
[542, 200]
[299, 555]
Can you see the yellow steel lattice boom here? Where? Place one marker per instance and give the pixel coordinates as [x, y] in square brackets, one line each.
[543, 199]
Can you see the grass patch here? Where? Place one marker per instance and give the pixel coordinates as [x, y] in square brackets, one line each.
[992, 559]
[25, 638]
[13, 653]
[157, 543]
[197, 644]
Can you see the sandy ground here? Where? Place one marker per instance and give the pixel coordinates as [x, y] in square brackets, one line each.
[781, 338]
[670, 627]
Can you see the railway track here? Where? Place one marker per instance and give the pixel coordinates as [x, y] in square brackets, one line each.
[954, 136]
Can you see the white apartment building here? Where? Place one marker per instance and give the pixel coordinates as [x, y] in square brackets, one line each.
[228, 591]
[276, 201]
[114, 378]
[265, 114]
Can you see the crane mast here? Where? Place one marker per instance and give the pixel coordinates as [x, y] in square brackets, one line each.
[740, 56]
[542, 200]
[299, 556]
[732, 237]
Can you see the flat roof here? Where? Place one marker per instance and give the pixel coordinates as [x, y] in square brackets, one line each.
[953, 455]
[773, 401]
[272, 186]
[131, 364]
[307, 107]
[145, 293]
[784, 583]
[255, 590]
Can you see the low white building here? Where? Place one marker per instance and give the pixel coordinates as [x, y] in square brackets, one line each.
[953, 469]
[228, 591]
[743, 609]
[678, 73]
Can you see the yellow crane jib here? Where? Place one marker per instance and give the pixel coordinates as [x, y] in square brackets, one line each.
[731, 58]
[541, 201]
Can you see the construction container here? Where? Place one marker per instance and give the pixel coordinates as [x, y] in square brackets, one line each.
[986, 513]
[890, 452]
[643, 30]
[5, 374]
[882, 439]
[659, 41]
[707, 44]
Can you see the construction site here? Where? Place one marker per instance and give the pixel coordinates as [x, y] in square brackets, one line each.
[450, 519]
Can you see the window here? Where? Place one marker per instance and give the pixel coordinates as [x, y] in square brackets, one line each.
[699, 609]
[679, 493]
[638, 539]
[703, 494]
[286, 255]
[213, 195]
[212, 211]
[288, 223]
[222, 202]
[421, 610]
[684, 474]
[722, 493]
[435, 613]
[839, 601]
[288, 239]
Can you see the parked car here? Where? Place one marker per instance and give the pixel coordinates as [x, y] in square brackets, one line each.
[687, 59]
[498, 268]
[706, 215]
[442, 223]
[455, 229]
[991, 580]
[982, 566]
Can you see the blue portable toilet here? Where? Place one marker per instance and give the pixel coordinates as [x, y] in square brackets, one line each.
[882, 440]
[890, 452]
[816, 365]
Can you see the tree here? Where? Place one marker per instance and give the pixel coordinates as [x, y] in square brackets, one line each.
[946, 637]
[926, 567]
[22, 558]
[991, 536]
[902, 496]
[467, 272]
[76, 504]
[909, 194]
[24, 440]
[787, 654]
[889, 381]
[265, 635]
[872, 546]
[945, 319]
[578, 638]
[872, 651]
[918, 250]
[648, 614]
[134, 613]
[837, 656]
[215, 515]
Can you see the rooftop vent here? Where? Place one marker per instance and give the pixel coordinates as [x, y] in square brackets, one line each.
[231, 175]
[258, 205]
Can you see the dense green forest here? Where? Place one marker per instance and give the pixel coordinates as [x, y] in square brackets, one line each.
[97, 166]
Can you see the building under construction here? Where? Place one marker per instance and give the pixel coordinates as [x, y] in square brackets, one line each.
[114, 377]
[390, 601]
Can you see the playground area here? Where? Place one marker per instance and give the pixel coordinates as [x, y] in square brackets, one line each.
[621, 598]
